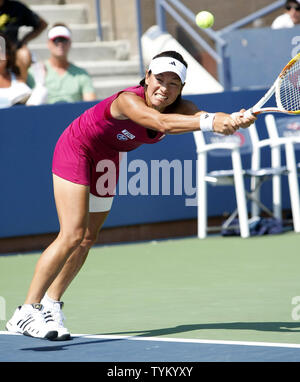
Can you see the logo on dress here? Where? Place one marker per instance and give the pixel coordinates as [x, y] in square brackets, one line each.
[125, 135]
[122, 137]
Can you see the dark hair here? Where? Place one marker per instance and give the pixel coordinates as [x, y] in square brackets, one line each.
[10, 55]
[289, 2]
[177, 56]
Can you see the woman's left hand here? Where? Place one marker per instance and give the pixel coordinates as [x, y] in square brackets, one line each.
[241, 121]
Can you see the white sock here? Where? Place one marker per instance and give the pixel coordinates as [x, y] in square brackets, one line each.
[26, 307]
[46, 301]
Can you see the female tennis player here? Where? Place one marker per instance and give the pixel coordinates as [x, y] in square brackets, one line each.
[120, 123]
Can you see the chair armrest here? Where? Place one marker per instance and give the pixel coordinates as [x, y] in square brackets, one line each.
[279, 141]
[218, 146]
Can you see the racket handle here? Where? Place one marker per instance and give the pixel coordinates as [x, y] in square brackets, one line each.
[248, 113]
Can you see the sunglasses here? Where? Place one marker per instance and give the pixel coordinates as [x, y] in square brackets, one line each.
[289, 7]
[57, 40]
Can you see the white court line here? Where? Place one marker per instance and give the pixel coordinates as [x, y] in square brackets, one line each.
[180, 340]
[191, 340]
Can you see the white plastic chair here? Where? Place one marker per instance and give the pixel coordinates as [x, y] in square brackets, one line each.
[244, 141]
[207, 143]
[259, 175]
[285, 132]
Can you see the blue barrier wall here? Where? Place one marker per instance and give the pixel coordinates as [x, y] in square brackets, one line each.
[27, 140]
[256, 56]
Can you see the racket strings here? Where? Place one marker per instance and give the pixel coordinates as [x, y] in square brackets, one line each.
[289, 88]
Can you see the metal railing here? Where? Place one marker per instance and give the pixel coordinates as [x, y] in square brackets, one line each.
[186, 19]
[173, 7]
[98, 18]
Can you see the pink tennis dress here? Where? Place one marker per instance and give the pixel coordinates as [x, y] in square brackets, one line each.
[90, 146]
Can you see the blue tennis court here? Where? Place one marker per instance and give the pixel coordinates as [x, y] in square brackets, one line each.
[99, 348]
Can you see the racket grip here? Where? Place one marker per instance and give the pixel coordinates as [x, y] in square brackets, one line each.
[248, 113]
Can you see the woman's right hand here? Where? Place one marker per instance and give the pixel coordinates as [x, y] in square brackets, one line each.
[228, 124]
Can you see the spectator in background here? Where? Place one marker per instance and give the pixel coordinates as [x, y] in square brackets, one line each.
[13, 15]
[64, 81]
[290, 18]
[13, 89]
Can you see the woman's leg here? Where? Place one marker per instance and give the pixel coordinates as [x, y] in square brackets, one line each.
[72, 203]
[78, 257]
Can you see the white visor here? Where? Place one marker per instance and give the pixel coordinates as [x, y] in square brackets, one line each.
[168, 64]
[59, 31]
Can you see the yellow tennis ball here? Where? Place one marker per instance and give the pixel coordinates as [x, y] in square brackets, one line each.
[205, 19]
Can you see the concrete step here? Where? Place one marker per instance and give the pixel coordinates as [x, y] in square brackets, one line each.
[90, 51]
[67, 13]
[80, 33]
[110, 68]
[105, 87]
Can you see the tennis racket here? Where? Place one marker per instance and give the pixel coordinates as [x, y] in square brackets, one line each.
[287, 92]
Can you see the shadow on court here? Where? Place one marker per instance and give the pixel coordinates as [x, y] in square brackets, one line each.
[63, 345]
[256, 326]
[292, 327]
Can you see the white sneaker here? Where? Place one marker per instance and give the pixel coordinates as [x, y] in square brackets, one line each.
[53, 311]
[29, 320]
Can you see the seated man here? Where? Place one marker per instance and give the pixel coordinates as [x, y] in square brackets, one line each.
[64, 81]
